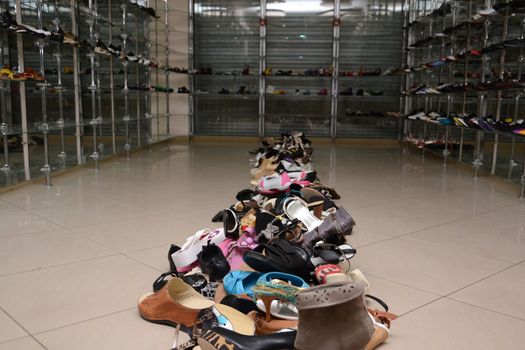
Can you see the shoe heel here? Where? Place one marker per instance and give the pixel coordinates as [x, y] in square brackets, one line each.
[267, 300]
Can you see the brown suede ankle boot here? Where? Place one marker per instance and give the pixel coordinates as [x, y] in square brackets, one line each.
[338, 223]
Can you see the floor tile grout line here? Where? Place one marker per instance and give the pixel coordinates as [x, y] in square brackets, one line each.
[448, 296]
[484, 278]
[86, 237]
[179, 243]
[142, 263]
[405, 285]
[14, 339]
[83, 321]
[22, 327]
[57, 265]
[486, 309]
[32, 233]
[404, 235]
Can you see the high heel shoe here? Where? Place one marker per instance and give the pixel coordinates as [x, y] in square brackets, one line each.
[277, 286]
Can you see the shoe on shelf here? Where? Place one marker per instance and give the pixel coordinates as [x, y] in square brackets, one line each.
[69, 38]
[150, 11]
[114, 50]
[7, 21]
[183, 90]
[29, 73]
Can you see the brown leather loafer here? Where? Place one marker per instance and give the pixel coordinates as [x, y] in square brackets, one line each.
[175, 303]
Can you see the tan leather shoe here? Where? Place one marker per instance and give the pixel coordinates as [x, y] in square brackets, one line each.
[176, 303]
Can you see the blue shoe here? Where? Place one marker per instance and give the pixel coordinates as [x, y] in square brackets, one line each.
[241, 282]
[286, 277]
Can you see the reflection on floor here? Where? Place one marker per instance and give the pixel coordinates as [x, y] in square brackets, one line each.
[446, 252]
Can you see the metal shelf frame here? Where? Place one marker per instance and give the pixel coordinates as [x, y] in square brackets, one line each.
[81, 114]
[419, 23]
[255, 49]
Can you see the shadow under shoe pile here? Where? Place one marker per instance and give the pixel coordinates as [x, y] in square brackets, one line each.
[276, 274]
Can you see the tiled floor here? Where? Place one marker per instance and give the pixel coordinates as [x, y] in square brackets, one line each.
[446, 252]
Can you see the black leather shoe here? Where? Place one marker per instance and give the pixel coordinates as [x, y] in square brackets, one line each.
[282, 256]
[221, 338]
[213, 263]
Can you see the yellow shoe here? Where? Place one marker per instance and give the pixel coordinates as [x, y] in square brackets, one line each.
[6, 73]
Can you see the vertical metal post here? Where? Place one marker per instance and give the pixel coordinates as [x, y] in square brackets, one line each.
[137, 77]
[465, 81]
[408, 61]
[92, 21]
[112, 81]
[23, 108]
[499, 97]
[191, 70]
[166, 71]
[125, 89]
[147, 94]
[482, 104]
[76, 82]
[4, 126]
[41, 43]
[59, 87]
[522, 181]
[335, 69]
[447, 128]
[262, 66]
[512, 163]
[100, 145]
[157, 72]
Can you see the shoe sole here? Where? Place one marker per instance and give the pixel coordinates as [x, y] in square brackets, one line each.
[162, 322]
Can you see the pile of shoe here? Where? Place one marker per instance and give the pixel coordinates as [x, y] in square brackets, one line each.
[276, 274]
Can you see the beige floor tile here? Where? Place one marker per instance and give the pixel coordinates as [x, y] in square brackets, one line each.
[499, 234]
[5, 206]
[43, 249]
[81, 213]
[450, 325]
[139, 233]
[54, 297]
[400, 299]
[140, 206]
[27, 343]
[503, 292]
[157, 257]
[415, 214]
[361, 237]
[424, 265]
[9, 330]
[124, 330]
[14, 222]
[38, 196]
[201, 216]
